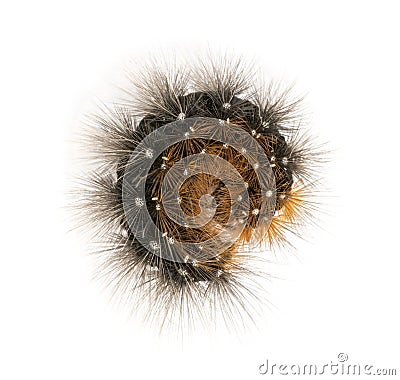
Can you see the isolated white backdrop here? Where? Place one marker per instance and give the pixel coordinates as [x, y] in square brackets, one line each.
[338, 293]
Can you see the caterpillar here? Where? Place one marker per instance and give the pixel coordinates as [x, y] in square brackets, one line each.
[195, 172]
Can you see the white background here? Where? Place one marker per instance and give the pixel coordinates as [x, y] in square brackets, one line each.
[337, 293]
